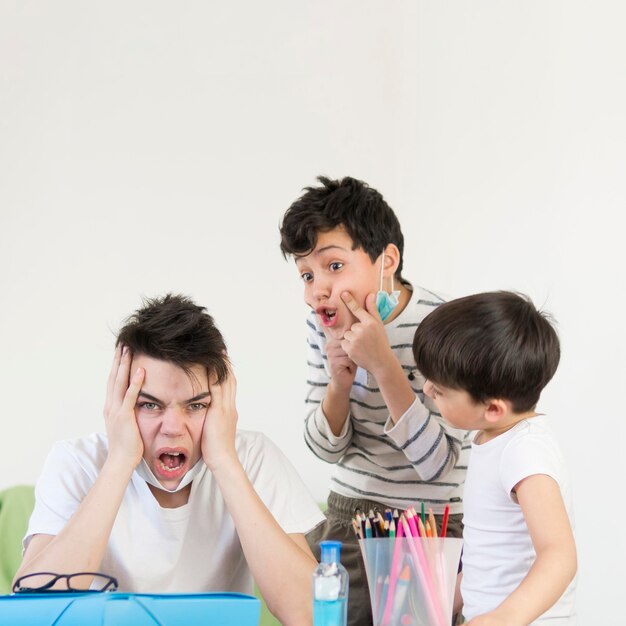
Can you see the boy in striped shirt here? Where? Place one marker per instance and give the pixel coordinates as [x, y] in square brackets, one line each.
[366, 409]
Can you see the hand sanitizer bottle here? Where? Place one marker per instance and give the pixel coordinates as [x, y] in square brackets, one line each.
[330, 588]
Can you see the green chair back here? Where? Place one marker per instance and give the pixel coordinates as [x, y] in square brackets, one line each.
[16, 505]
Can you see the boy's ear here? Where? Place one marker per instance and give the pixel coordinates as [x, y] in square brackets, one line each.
[495, 410]
[392, 259]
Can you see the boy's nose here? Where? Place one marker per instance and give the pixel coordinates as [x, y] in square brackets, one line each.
[173, 421]
[322, 289]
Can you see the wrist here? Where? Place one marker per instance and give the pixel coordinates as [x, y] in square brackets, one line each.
[387, 367]
[225, 464]
[509, 617]
[338, 389]
[119, 467]
[225, 457]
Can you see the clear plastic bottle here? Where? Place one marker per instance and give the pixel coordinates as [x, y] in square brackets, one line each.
[330, 588]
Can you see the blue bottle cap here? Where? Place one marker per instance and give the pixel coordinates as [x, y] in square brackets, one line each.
[331, 551]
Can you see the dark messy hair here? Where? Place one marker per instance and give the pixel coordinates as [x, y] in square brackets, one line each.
[492, 345]
[173, 328]
[362, 211]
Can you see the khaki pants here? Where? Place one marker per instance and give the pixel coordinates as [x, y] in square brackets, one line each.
[338, 527]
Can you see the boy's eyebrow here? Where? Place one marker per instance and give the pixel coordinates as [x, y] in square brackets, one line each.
[328, 248]
[200, 396]
[317, 252]
[152, 398]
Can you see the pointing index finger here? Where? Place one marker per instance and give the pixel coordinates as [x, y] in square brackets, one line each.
[359, 312]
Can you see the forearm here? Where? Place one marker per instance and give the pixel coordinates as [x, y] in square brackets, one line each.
[427, 444]
[281, 569]
[321, 441]
[394, 387]
[336, 407]
[544, 584]
[81, 544]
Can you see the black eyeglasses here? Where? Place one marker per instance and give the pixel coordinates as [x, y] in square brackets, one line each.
[46, 582]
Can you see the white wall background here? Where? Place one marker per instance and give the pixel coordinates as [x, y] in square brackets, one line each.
[150, 146]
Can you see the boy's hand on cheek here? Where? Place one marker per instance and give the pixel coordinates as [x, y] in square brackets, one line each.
[366, 342]
[220, 423]
[342, 368]
[125, 442]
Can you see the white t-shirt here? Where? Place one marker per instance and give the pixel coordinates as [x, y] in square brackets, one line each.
[193, 548]
[497, 549]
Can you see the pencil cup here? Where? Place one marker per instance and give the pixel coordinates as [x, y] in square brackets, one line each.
[411, 579]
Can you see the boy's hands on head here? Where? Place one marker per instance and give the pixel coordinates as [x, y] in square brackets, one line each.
[220, 423]
[125, 442]
[366, 341]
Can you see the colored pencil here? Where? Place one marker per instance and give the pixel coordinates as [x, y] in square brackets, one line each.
[444, 525]
[424, 572]
[381, 523]
[394, 571]
[421, 527]
[402, 588]
[411, 521]
[433, 523]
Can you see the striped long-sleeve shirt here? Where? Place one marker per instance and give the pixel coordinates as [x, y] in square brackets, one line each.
[419, 458]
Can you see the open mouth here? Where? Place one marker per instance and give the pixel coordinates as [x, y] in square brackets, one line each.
[171, 461]
[327, 315]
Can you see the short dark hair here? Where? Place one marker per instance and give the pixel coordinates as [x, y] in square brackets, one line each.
[173, 328]
[348, 202]
[492, 345]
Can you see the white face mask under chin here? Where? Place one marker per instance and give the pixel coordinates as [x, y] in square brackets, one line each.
[145, 472]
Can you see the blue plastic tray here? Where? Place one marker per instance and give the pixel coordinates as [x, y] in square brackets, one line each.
[121, 609]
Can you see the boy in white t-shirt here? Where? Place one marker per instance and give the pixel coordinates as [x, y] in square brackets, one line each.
[487, 358]
[173, 498]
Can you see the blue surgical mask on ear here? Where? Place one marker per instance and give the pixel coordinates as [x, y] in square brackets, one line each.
[386, 302]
